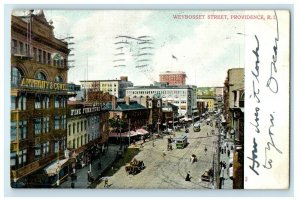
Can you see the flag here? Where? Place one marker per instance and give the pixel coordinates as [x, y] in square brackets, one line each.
[174, 57]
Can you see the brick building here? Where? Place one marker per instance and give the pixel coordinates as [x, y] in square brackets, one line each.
[173, 77]
[39, 94]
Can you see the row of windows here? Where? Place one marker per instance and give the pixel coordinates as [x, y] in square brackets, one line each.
[41, 102]
[82, 125]
[19, 159]
[81, 140]
[38, 55]
[156, 92]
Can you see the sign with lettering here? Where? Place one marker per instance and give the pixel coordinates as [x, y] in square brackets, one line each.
[43, 84]
[85, 110]
[267, 101]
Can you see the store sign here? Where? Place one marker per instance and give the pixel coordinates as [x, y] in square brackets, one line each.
[86, 110]
[43, 84]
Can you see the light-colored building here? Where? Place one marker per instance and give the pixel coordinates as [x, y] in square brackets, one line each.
[184, 97]
[173, 77]
[113, 87]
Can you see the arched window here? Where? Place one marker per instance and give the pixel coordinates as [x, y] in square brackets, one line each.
[40, 76]
[58, 78]
[16, 76]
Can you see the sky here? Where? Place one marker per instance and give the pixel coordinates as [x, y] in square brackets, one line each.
[203, 48]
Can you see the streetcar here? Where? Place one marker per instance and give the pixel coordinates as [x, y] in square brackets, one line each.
[181, 141]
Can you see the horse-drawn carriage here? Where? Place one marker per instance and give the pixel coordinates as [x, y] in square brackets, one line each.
[134, 167]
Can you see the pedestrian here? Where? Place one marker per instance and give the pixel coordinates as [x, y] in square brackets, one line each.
[106, 183]
[188, 176]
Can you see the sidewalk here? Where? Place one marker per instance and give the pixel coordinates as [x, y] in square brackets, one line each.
[82, 180]
[228, 183]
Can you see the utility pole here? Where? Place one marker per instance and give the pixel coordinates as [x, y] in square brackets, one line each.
[129, 132]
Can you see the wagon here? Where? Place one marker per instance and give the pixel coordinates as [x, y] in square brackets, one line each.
[134, 167]
[207, 175]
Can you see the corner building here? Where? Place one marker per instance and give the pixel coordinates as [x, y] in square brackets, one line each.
[39, 94]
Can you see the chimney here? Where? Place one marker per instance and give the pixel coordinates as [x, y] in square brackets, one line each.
[127, 100]
[113, 102]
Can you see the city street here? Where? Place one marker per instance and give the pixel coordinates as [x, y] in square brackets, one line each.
[169, 171]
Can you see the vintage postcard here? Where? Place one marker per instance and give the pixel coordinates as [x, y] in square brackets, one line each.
[150, 99]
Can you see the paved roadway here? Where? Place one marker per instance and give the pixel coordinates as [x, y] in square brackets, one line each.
[169, 171]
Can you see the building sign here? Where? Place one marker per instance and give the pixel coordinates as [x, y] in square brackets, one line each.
[86, 110]
[43, 84]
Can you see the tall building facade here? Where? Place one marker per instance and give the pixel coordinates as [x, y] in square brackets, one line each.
[234, 116]
[173, 77]
[39, 94]
[184, 96]
[113, 87]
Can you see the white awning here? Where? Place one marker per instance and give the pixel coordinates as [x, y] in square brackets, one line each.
[55, 167]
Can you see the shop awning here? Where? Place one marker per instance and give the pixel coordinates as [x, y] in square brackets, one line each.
[141, 131]
[55, 167]
[124, 134]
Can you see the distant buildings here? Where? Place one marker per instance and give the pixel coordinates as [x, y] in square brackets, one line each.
[212, 97]
[173, 77]
[184, 96]
[113, 87]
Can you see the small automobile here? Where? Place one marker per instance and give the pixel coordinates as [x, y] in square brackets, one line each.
[196, 127]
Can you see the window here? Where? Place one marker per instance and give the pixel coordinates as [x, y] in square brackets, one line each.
[64, 122]
[73, 143]
[22, 157]
[77, 127]
[37, 151]
[49, 59]
[21, 48]
[46, 125]
[63, 102]
[84, 124]
[81, 126]
[13, 102]
[58, 78]
[56, 123]
[40, 76]
[81, 140]
[56, 146]
[56, 102]
[39, 55]
[16, 77]
[45, 147]
[26, 49]
[69, 131]
[22, 102]
[78, 142]
[14, 46]
[22, 130]
[37, 103]
[13, 131]
[44, 57]
[13, 159]
[46, 102]
[37, 126]
[73, 128]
